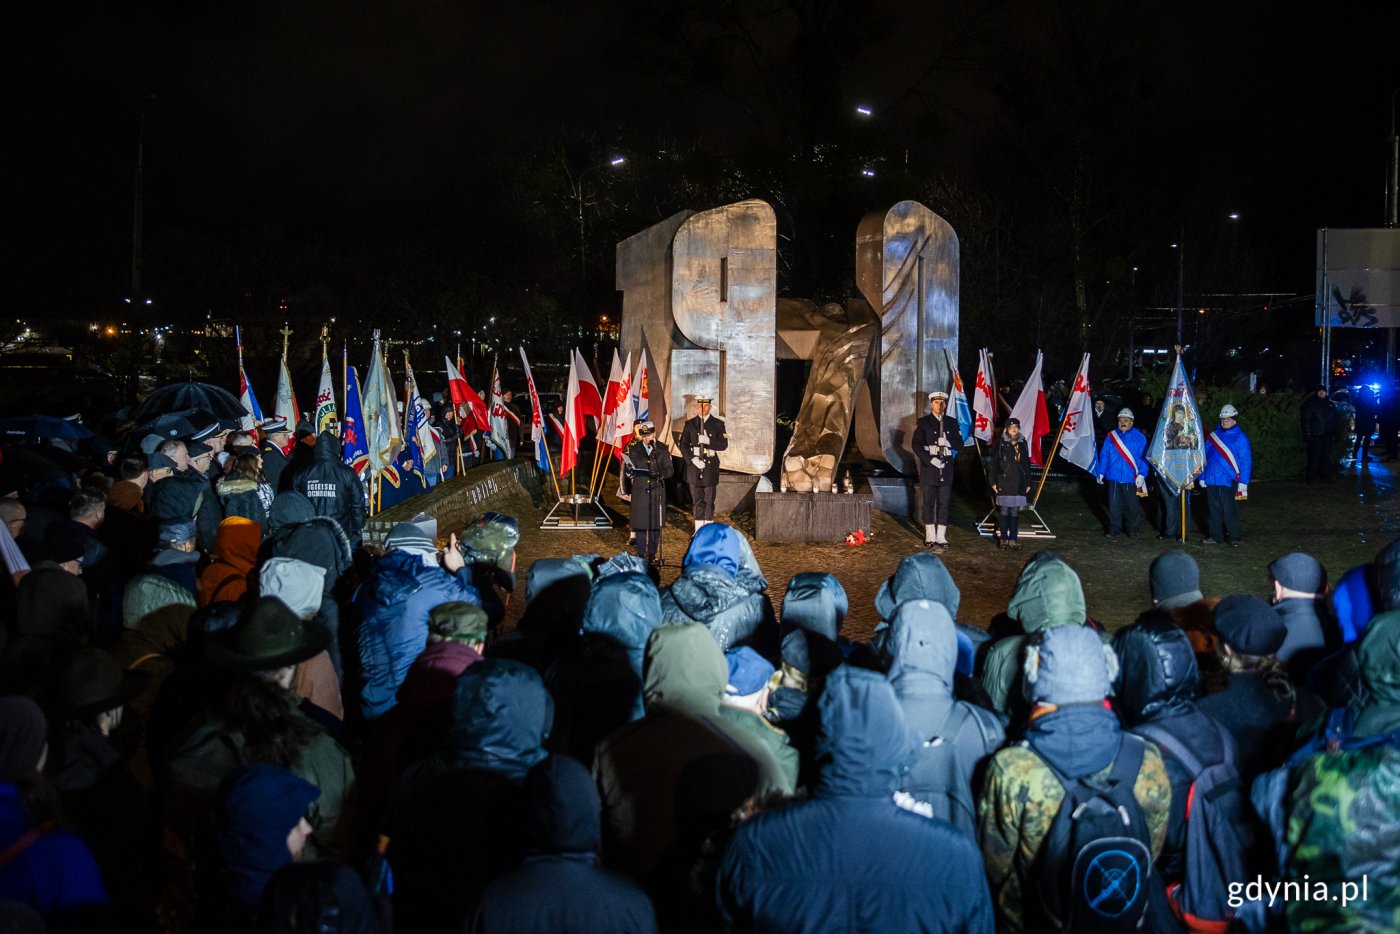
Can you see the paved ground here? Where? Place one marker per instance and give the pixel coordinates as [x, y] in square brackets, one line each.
[1343, 523]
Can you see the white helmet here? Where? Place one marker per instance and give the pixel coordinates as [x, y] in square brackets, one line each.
[1128, 414]
[1229, 411]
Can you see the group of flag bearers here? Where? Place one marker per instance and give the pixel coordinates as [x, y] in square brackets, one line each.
[1180, 456]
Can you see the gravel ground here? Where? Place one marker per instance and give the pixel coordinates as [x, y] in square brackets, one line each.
[1343, 524]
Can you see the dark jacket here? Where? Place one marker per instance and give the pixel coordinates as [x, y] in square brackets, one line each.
[599, 687]
[851, 859]
[1263, 719]
[274, 465]
[393, 607]
[458, 812]
[930, 430]
[923, 647]
[188, 495]
[1011, 466]
[644, 479]
[1319, 417]
[294, 530]
[560, 887]
[246, 498]
[1306, 640]
[1158, 682]
[333, 488]
[692, 448]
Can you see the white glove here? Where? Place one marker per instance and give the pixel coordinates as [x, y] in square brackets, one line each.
[945, 447]
[1100, 479]
[931, 450]
[699, 464]
[1201, 482]
[1242, 492]
[937, 462]
[704, 438]
[1141, 483]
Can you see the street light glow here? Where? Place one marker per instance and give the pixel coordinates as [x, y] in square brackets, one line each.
[864, 111]
[1234, 216]
[868, 173]
[618, 161]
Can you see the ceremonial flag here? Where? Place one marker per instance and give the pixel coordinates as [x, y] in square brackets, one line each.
[1030, 411]
[325, 398]
[590, 400]
[960, 408]
[619, 420]
[383, 437]
[501, 418]
[536, 418]
[466, 401]
[352, 430]
[1077, 436]
[286, 402]
[1177, 451]
[250, 401]
[572, 430]
[418, 423]
[611, 399]
[984, 410]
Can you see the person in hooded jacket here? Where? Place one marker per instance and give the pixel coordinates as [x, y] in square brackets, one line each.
[260, 826]
[332, 486]
[235, 556]
[922, 576]
[1069, 674]
[1344, 806]
[323, 896]
[952, 737]
[598, 688]
[643, 768]
[556, 593]
[457, 812]
[851, 858]
[814, 607]
[717, 592]
[560, 887]
[1337, 678]
[394, 603]
[746, 701]
[294, 530]
[1156, 692]
[1048, 594]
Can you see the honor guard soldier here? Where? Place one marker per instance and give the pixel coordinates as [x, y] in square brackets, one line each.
[701, 439]
[646, 465]
[937, 441]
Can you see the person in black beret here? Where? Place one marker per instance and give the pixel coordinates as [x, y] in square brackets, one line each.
[1259, 705]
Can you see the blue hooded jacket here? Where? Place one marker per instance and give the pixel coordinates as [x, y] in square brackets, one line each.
[717, 588]
[393, 607]
[851, 859]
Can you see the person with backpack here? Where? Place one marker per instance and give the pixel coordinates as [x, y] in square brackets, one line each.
[1057, 806]
[1344, 804]
[952, 737]
[1208, 832]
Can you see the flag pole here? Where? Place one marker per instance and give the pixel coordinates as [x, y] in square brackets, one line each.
[1045, 471]
[1183, 515]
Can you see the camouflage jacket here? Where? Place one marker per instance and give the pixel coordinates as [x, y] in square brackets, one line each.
[1343, 813]
[1018, 805]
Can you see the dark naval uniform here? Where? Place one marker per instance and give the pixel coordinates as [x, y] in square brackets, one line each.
[701, 440]
[644, 475]
[936, 443]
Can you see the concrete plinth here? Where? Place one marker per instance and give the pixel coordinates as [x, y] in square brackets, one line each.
[810, 517]
[895, 495]
[734, 493]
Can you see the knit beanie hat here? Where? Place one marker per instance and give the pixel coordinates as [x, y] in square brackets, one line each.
[1249, 625]
[417, 536]
[1299, 571]
[1069, 665]
[1175, 580]
[23, 733]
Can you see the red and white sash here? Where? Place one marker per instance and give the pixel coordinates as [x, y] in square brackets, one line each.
[1226, 453]
[1123, 452]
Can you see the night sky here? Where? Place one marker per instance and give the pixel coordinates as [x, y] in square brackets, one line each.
[354, 126]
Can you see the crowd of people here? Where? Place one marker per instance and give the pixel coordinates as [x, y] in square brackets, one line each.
[222, 711]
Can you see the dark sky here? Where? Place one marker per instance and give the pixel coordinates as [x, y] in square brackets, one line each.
[360, 122]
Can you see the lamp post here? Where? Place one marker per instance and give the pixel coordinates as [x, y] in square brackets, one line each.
[578, 196]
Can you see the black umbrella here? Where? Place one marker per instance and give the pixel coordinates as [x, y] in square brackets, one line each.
[167, 426]
[187, 397]
[36, 464]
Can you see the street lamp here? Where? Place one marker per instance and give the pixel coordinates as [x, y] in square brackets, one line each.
[578, 196]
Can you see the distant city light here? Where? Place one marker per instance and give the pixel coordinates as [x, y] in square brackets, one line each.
[1234, 217]
[618, 161]
[863, 111]
[868, 173]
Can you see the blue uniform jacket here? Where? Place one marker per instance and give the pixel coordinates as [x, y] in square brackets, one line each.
[1112, 467]
[1218, 471]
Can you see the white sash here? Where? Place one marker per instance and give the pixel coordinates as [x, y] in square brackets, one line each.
[1226, 453]
[1123, 451]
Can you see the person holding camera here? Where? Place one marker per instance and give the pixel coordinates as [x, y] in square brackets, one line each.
[646, 465]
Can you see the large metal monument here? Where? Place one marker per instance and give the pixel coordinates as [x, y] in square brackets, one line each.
[700, 294]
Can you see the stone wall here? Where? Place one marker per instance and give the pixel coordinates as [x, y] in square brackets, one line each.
[456, 502]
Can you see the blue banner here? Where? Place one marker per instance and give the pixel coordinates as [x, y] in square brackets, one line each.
[1177, 451]
[352, 433]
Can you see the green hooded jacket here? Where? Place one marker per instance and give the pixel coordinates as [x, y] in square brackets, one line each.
[1047, 594]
